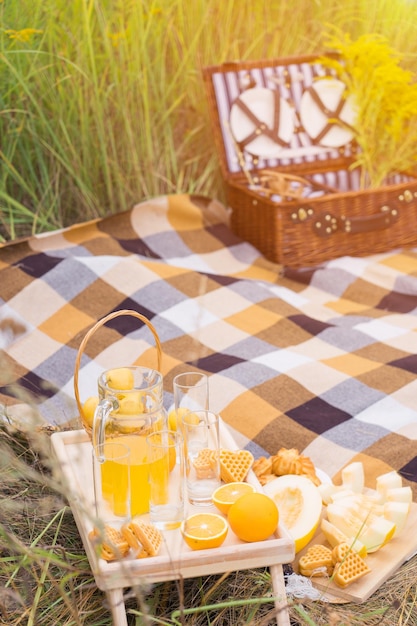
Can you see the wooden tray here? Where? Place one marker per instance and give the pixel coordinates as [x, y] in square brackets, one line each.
[176, 560]
[383, 564]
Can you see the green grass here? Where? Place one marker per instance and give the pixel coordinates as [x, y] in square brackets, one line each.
[102, 103]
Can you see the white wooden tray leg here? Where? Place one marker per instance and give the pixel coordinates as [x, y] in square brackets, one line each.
[278, 586]
[117, 606]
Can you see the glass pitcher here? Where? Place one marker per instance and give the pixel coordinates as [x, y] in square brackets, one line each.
[130, 408]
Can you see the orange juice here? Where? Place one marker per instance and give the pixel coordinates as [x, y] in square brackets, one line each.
[139, 476]
[139, 473]
[115, 484]
[159, 471]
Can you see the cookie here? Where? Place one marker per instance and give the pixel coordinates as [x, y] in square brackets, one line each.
[317, 561]
[144, 539]
[348, 565]
[110, 543]
[234, 466]
[203, 463]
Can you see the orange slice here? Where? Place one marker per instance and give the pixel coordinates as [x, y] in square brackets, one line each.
[204, 530]
[226, 495]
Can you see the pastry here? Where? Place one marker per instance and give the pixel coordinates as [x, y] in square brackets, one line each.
[290, 461]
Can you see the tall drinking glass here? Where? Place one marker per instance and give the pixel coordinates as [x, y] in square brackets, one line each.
[166, 479]
[202, 452]
[191, 393]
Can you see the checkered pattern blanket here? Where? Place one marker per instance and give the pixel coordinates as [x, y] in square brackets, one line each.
[320, 360]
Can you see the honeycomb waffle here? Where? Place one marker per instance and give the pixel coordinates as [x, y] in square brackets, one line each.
[110, 543]
[234, 466]
[317, 561]
[203, 463]
[144, 539]
[348, 565]
[290, 461]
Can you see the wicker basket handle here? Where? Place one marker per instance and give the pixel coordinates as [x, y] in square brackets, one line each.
[93, 329]
[327, 224]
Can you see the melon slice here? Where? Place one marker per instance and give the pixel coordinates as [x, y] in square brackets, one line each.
[335, 536]
[299, 504]
[397, 512]
[399, 494]
[353, 477]
[390, 480]
[373, 531]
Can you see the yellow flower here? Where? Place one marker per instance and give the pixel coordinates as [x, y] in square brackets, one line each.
[25, 34]
[385, 97]
[115, 38]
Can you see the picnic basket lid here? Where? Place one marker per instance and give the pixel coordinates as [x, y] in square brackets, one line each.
[286, 113]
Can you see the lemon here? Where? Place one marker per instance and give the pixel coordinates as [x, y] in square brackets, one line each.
[226, 495]
[172, 420]
[204, 530]
[89, 408]
[188, 417]
[120, 378]
[131, 404]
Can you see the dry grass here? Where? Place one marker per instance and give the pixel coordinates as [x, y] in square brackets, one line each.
[45, 576]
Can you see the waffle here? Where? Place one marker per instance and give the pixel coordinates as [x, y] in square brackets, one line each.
[204, 462]
[234, 466]
[348, 565]
[110, 543]
[317, 561]
[144, 539]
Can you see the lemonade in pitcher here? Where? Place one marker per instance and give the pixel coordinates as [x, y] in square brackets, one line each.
[139, 475]
[115, 482]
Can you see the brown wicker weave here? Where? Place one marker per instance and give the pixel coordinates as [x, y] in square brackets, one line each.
[343, 219]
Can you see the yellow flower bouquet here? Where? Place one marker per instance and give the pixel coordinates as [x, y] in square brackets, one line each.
[385, 97]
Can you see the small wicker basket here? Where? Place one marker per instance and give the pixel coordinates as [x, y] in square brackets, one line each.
[85, 340]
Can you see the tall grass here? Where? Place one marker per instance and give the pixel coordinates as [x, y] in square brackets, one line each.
[102, 101]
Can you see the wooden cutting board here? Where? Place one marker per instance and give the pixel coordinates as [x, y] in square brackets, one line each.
[383, 564]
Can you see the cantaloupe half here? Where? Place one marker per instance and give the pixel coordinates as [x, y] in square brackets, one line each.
[299, 504]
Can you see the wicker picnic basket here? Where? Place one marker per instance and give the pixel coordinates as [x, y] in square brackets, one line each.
[284, 135]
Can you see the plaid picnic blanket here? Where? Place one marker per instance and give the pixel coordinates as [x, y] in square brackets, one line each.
[320, 360]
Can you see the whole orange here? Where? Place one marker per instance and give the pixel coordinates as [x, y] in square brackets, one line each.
[253, 517]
